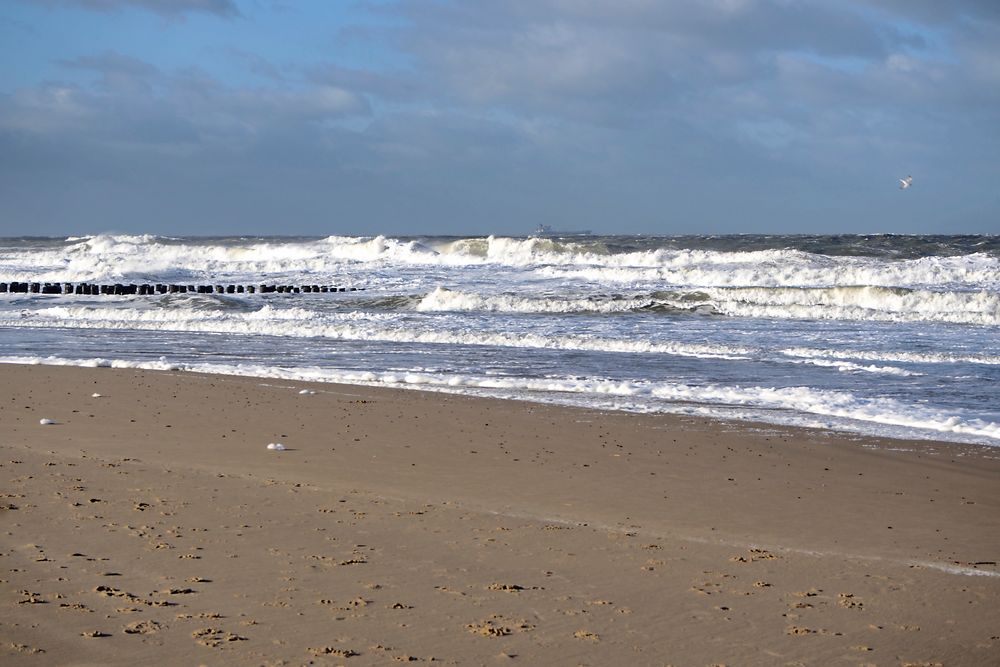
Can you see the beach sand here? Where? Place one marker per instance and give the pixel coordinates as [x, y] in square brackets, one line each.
[151, 525]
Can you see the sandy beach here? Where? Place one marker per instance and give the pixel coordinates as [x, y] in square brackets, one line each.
[151, 525]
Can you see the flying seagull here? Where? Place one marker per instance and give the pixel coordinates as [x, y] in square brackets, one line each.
[905, 182]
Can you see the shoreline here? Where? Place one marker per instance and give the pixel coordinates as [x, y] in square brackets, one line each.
[931, 439]
[486, 515]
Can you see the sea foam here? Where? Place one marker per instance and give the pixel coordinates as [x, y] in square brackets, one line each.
[772, 328]
[799, 406]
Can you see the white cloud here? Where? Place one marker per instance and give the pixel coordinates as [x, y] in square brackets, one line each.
[594, 109]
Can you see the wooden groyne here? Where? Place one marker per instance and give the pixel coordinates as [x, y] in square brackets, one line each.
[121, 289]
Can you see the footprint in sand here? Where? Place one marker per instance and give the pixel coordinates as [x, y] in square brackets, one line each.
[754, 555]
[24, 648]
[214, 637]
[141, 628]
[848, 601]
[489, 629]
[811, 593]
[357, 602]
[31, 598]
[498, 626]
[334, 651]
[509, 588]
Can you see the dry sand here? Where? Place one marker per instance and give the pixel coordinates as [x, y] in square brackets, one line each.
[151, 525]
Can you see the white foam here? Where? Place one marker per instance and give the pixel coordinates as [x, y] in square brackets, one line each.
[783, 268]
[789, 405]
[445, 300]
[893, 355]
[837, 303]
[513, 293]
[850, 367]
[119, 257]
[116, 257]
[868, 303]
[303, 323]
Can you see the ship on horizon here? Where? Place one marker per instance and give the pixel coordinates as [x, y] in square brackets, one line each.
[546, 231]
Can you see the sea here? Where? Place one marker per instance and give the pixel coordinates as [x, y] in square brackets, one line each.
[884, 335]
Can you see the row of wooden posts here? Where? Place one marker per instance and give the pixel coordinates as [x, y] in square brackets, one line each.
[163, 288]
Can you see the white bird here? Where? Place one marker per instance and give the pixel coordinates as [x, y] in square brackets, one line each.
[276, 447]
[905, 182]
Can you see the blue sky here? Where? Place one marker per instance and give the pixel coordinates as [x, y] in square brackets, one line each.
[438, 117]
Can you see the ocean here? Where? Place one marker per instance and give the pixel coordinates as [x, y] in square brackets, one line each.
[882, 335]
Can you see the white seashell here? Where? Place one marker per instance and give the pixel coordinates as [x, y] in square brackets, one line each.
[46, 422]
[276, 447]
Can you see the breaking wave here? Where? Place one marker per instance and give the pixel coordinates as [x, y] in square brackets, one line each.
[108, 257]
[351, 325]
[874, 334]
[836, 303]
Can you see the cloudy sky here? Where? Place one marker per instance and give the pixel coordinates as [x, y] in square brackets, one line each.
[450, 117]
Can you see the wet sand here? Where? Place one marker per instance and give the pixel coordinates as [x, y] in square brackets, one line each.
[151, 524]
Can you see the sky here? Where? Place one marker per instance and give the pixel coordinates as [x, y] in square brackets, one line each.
[322, 117]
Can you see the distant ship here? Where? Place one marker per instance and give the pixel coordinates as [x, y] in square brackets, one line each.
[545, 231]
